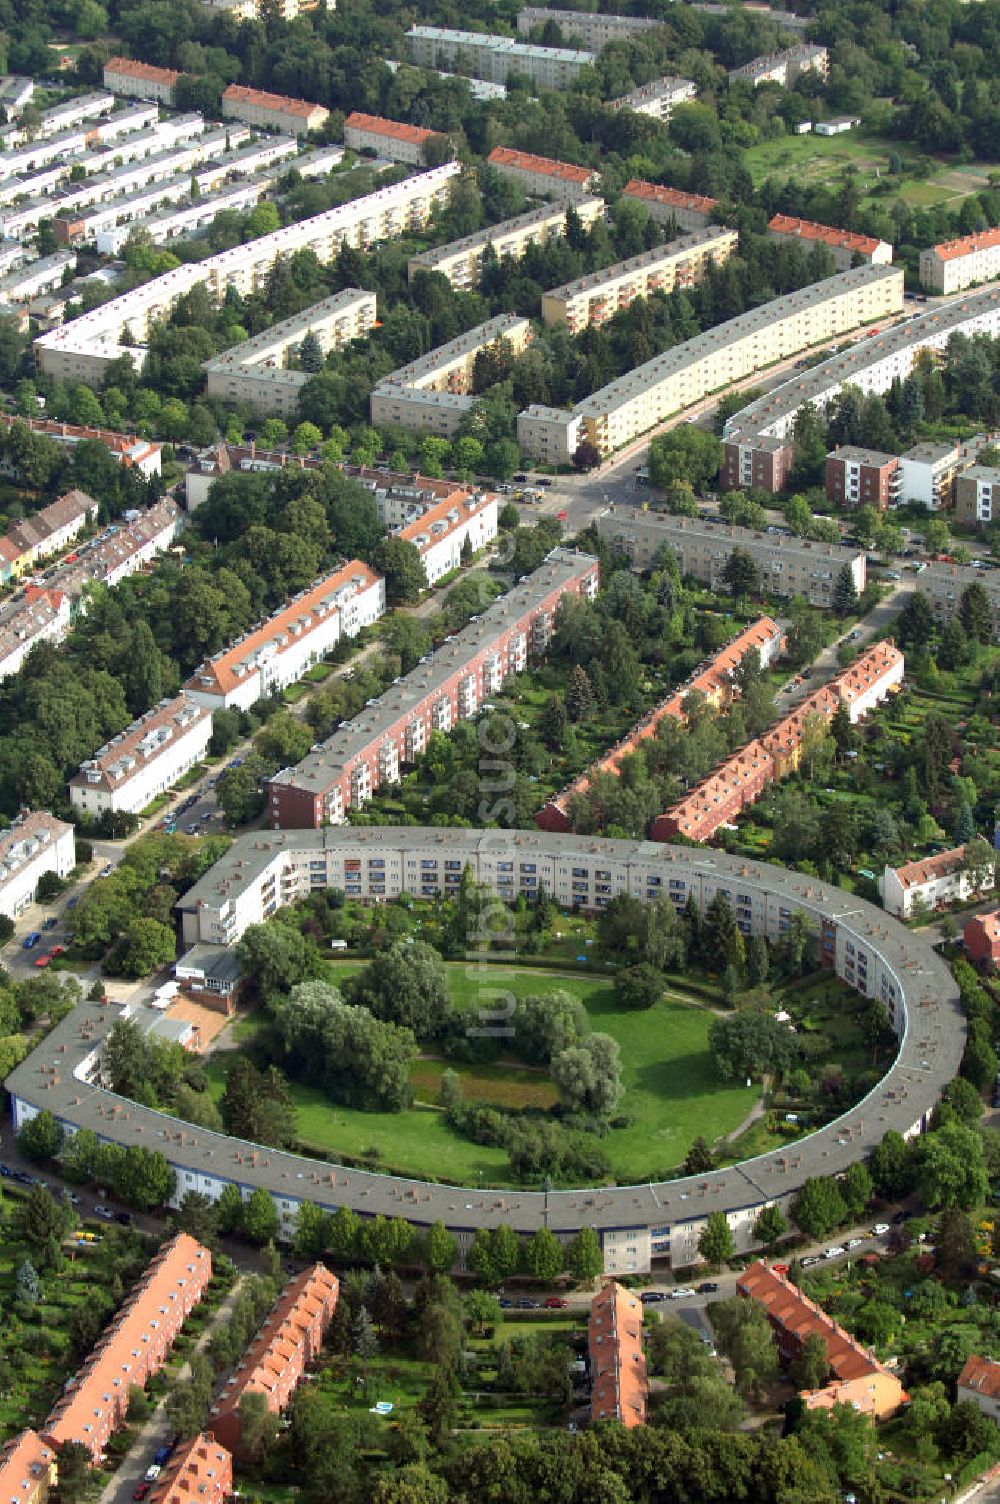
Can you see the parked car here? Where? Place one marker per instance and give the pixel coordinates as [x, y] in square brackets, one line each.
[105, 1212]
[524, 1304]
[51, 922]
[71, 903]
[682, 1294]
[153, 1472]
[57, 950]
[555, 1303]
[5, 1172]
[836, 1252]
[814, 1258]
[505, 1305]
[107, 869]
[707, 1287]
[854, 1242]
[141, 1491]
[652, 1297]
[125, 1218]
[43, 961]
[900, 1217]
[31, 940]
[161, 1456]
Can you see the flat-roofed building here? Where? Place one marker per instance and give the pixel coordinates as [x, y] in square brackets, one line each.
[277, 1359]
[255, 372]
[618, 1378]
[856, 1377]
[846, 248]
[935, 881]
[957, 264]
[392, 731]
[688, 211]
[83, 349]
[434, 393]
[657, 99]
[37, 278]
[787, 566]
[856, 477]
[123, 75]
[544, 176]
[132, 1348]
[783, 68]
[977, 495]
[389, 138]
[274, 112]
[291, 641]
[32, 845]
[496, 58]
[550, 435]
[200, 1469]
[15, 94]
[461, 261]
[27, 1469]
[592, 28]
[598, 296]
[144, 760]
[674, 380]
[872, 364]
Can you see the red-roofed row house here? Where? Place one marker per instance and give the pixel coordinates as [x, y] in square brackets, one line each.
[714, 682]
[689, 211]
[619, 1383]
[133, 1346]
[277, 1358]
[741, 779]
[857, 1378]
[390, 138]
[544, 175]
[846, 248]
[272, 112]
[200, 1470]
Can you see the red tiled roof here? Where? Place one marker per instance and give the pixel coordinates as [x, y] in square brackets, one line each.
[221, 670]
[617, 1362]
[786, 224]
[307, 1301]
[459, 502]
[656, 193]
[279, 103]
[25, 1461]
[982, 1375]
[129, 68]
[506, 156]
[378, 125]
[914, 874]
[199, 1469]
[982, 240]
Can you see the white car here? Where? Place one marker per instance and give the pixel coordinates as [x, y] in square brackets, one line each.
[835, 1252]
[880, 1229]
[855, 1242]
[683, 1294]
[152, 1472]
[100, 1210]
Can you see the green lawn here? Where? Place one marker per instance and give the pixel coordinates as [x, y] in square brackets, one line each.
[671, 1091]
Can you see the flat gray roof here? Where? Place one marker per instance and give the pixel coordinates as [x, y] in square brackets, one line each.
[930, 1052]
[378, 718]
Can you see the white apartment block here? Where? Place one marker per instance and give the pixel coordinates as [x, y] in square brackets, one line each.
[496, 58]
[597, 297]
[441, 532]
[550, 435]
[433, 393]
[461, 261]
[109, 227]
[594, 29]
[977, 495]
[121, 549]
[389, 138]
[281, 649]
[122, 75]
[927, 474]
[15, 94]
[787, 566]
[658, 99]
[144, 760]
[668, 383]
[81, 350]
[38, 277]
[43, 615]
[936, 881]
[34, 844]
[956, 264]
[872, 365]
[783, 68]
[253, 10]
[544, 177]
[256, 373]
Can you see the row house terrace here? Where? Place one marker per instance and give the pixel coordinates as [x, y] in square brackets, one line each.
[619, 1382]
[143, 761]
[133, 1347]
[200, 1470]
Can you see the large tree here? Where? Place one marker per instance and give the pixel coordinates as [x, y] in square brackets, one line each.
[406, 984]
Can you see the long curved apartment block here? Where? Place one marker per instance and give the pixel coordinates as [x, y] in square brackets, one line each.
[636, 1223]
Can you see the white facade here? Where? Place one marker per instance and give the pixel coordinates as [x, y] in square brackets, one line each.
[43, 616]
[36, 843]
[496, 58]
[38, 277]
[937, 881]
[81, 350]
[956, 264]
[280, 651]
[145, 760]
[658, 99]
[442, 532]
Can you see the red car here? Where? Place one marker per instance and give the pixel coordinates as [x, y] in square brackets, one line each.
[42, 961]
[555, 1303]
[141, 1491]
[57, 950]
